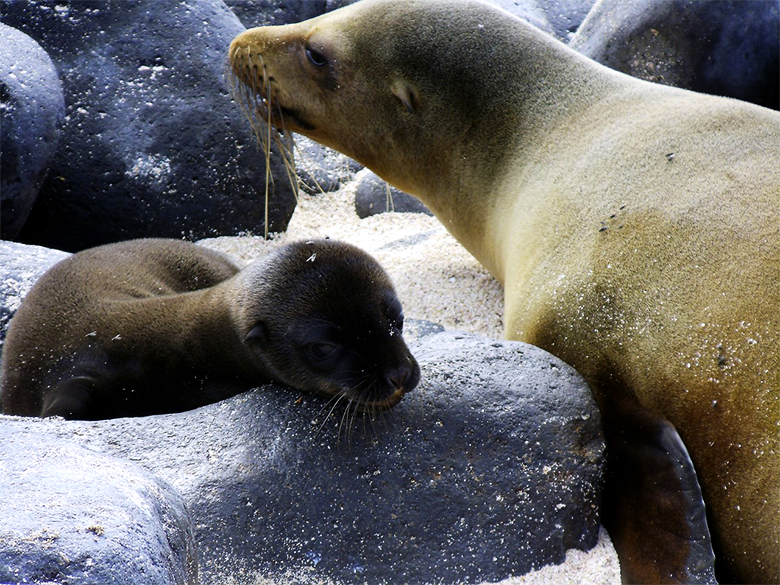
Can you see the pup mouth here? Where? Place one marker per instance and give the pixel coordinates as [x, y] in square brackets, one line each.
[361, 405]
[374, 406]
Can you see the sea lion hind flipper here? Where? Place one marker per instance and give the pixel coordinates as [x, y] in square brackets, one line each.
[653, 506]
[71, 399]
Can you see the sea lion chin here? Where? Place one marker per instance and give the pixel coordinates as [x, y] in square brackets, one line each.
[156, 326]
[633, 226]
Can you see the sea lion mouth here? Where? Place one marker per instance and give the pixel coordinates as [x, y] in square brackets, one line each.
[252, 88]
[361, 404]
[286, 114]
[374, 406]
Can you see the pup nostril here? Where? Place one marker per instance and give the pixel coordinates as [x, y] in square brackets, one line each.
[398, 376]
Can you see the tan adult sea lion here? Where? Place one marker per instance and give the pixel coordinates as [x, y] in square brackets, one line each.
[155, 326]
[635, 228]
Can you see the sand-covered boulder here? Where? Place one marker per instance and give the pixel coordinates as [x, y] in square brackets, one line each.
[373, 196]
[20, 267]
[490, 468]
[71, 515]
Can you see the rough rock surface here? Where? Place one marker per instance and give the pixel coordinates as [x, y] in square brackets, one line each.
[32, 108]
[254, 13]
[529, 10]
[321, 169]
[491, 467]
[729, 48]
[74, 516]
[152, 143]
[374, 196]
[20, 266]
[565, 16]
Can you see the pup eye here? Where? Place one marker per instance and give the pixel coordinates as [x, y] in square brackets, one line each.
[321, 351]
[395, 313]
[315, 57]
[399, 322]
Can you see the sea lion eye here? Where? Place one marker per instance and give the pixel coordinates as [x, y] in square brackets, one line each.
[258, 334]
[315, 57]
[399, 322]
[395, 314]
[322, 351]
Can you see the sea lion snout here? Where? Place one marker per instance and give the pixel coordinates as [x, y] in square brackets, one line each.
[404, 377]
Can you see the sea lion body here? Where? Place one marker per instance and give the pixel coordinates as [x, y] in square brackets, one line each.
[635, 228]
[155, 326]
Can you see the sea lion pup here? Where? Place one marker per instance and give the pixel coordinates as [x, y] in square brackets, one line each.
[635, 229]
[156, 326]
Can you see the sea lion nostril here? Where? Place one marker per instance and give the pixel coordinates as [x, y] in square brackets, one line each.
[397, 377]
[401, 378]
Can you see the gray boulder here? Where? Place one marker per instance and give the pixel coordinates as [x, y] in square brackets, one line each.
[254, 13]
[32, 108]
[153, 144]
[728, 48]
[74, 516]
[20, 266]
[321, 169]
[565, 16]
[374, 196]
[490, 468]
[529, 10]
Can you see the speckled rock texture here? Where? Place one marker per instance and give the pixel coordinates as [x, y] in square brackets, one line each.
[490, 468]
[73, 516]
[565, 16]
[20, 266]
[722, 47]
[152, 143]
[373, 195]
[32, 108]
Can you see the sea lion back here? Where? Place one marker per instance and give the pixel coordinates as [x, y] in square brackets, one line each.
[78, 291]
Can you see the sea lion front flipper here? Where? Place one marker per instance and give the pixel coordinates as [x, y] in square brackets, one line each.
[71, 398]
[653, 506]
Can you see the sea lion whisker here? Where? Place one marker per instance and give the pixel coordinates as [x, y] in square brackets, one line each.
[286, 145]
[267, 150]
[354, 412]
[389, 203]
[317, 185]
[335, 400]
[341, 423]
[254, 99]
[371, 420]
[331, 399]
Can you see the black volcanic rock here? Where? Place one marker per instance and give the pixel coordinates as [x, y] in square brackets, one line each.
[32, 109]
[152, 143]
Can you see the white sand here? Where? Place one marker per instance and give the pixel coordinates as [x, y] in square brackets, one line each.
[437, 280]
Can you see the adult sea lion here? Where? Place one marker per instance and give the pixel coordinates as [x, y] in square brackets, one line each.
[635, 228]
[154, 326]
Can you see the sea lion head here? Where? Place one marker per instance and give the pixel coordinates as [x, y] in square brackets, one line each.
[400, 86]
[323, 316]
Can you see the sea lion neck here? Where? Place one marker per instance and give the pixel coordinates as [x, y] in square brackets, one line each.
[487, 90]
[438, 97]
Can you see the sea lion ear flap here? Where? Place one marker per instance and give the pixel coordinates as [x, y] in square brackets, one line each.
[258, 334]
[407, 93]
